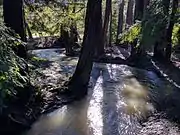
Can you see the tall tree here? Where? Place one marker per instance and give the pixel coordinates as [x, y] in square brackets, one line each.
[143, 42]
[14, 18]
[93, 27]
[170, 29]
[106, 23]
[159, 45]
[139, 9]
[110, 28]
[129, 17]
[120, 19]
[146, 3]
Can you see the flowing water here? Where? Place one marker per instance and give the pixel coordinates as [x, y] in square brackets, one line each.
[118, 97]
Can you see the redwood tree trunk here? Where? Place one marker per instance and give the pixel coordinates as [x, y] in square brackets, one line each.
[129, 18]
[106, 23]
[146, 3]
[65, 37]
[110, 29]
[170, 29]
[28, 30]
[14, 18]
[87, 19]
[120, 20]
[139, 9]
[159, 46]
[79, 82]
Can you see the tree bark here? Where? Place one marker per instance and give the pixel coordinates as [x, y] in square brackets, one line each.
[99, 48]
[79, 81]
[87, 19]
[159, 46]
[120, 20]
[65, 37]
[129, 17]
[146, 3]
[139, 10]
[110, 30]
[28, 31]
[106, 23]
[14, 18]
[142, 45]
[170, 29]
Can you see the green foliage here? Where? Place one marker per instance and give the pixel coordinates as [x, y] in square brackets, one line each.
[114, 24]
[37, 59]
[11, 66]
[175, 37]
[154, 25]
[130, 34]
[46, 20]
[152, 28]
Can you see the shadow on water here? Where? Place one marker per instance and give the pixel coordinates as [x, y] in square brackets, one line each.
[110, 125]
[162, 93]
[116, 119]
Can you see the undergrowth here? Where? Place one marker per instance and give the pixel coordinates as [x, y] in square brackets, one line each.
[13, 75]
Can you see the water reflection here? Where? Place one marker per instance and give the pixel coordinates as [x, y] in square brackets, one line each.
[55, 55]
[114, 99]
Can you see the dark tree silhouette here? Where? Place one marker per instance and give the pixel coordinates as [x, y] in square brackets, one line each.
[139, 9]
[159, 45]
[120, 19]
[92, 37]
[106, 23]
[146, 3]
[14, 18]
[65, 38]
[129, 17]
[110, 28]
[170, 29]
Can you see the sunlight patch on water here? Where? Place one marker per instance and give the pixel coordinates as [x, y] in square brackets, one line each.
[95, 110]
[55, 55]
[49, 54]
[136, 96]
